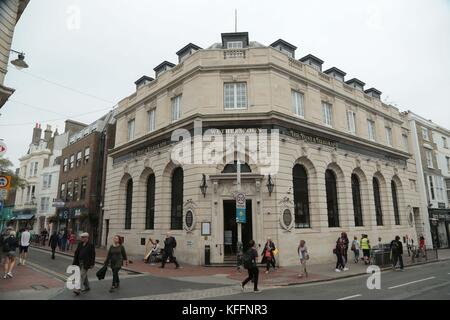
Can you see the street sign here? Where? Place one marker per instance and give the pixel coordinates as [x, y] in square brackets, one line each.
[5, 182]
[2, 148]
[241, 216]
[58, 203]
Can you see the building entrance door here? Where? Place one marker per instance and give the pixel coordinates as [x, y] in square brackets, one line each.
[230, 227]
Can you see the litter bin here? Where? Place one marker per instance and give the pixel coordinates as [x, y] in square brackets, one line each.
[207, 255]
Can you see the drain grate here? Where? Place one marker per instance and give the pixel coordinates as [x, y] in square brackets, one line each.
[39, 287]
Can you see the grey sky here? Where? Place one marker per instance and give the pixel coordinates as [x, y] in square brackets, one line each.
[401, 48]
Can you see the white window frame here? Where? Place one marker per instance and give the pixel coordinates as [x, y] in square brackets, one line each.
[448, 165]
[298, 103]
[389, 137]
[72, 161]
[235, 45]
[371, 130]
[287, 52]
[431, 188]
[176, 108]
[36, 164]
[151, 120]
[327, 114]
[405, 142]
[425, 134]
[429, 157]
[444, 143]
[351, 121]
[235, 96]
[130, 129]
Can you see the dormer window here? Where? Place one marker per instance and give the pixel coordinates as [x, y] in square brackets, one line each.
[186, 52]
[357, 84]
[313, 61]
[235, 40]
[373, 93]
[235, 45]
[285, 47]
[166, 65]
[336, 74]
[143, 81]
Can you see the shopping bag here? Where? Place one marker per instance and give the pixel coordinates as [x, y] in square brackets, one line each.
[101, 273]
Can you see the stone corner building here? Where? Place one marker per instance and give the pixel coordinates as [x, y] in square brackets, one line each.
[344, 156]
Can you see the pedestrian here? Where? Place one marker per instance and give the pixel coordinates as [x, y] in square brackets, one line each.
[346, 244]
[365, 246]
[84, 257]
[10, 245]
[64, 240]
[116, 258]
[249, 260]
[304, 256]
[155, 252]
[339, 251]
[72, 240]
[4, 235]
[44, 235]
[396, 253]
[53, 243]
[169, 245]
[356, 248]
[60, 236]
[267, 254]
[24, 245]
[422, 248]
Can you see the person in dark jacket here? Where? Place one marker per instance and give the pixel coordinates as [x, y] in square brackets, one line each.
[339, 251]
[267, 254]
[84, 257]
[44, 235]
[397, 252]
[169, 244]
[253, 271]
[115, 258]
[10, 245]
[346, 242]
[53, 243]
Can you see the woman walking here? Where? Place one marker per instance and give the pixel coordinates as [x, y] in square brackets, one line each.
[356, 248]
[72, 240]
[346, 242]
[250, 264]
[10, 245]
[304, 256]
[268, 256]
[116, 257]
[339, 251]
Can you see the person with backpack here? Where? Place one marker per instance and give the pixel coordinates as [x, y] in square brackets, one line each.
[365, 246]
[355, 248]
[339, 252]
[116, 258]
[169, 245]
[53, 243]
[346, 242]
[304, 256]
[10, 245]
[249, 261]
[267, 255]
[396, 253]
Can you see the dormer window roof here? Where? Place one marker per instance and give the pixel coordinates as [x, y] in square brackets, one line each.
[313, 61]
[356, 83]
[235, 40]
[166, 65]
[142, 81]
[336, 73]
[284, 47]
[186, 51]
[373, 93]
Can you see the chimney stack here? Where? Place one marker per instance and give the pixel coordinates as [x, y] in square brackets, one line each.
[48, 133]
[37, 131]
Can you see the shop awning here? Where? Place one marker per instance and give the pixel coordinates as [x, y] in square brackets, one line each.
[24, 216]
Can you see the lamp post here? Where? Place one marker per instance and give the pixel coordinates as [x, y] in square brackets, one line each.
[270, 185]
[203, 186]
[19, 63]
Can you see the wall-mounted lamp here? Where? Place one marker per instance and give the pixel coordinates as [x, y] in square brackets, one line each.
[19, 63]
[203, 186]
[270, 185]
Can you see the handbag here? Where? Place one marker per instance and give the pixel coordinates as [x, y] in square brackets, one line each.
[101, 273]
[275, 252]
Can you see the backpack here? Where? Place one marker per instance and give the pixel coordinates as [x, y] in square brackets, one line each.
[247, 260]
[394, 246]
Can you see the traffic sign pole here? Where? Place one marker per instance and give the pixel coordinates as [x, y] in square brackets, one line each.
[239, 224]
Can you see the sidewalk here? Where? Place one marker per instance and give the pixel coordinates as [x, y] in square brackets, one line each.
[283, 276]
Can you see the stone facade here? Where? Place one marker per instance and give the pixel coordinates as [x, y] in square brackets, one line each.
[270, 77]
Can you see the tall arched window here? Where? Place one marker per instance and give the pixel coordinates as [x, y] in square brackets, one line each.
[176, 216]
[332, 200]
[150, 203]
[395, 202]
[357, 208]
[301, 199]
[128, 204]
[377, 197]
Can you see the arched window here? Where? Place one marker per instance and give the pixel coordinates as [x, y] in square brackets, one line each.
[332, 200]
[128, 204]
[357, 208]
[176, 216]
[301, 199]
[395, 202]
[232, 168]
[150, 203]
[377, 197]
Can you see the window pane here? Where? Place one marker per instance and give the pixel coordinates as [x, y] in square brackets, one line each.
[301, 199]
[297, 103]
[377, 198]
[176, 221]
[357, 208]
[332, 200]
[395, 203]
[128, 204]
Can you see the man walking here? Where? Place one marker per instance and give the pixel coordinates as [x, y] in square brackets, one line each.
[169, 244]
[250, 264]
[84, 258]
[53, 243]
[397, 252]
[24, 245]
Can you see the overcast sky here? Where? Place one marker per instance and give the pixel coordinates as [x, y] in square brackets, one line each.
[401, 48]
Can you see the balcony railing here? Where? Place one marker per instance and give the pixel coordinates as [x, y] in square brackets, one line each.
[234, 53]
[295, 64]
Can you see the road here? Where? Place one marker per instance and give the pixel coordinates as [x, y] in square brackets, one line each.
[431, 281]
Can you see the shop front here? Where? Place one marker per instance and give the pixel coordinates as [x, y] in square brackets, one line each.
[440, 227]
[72, 219]
[23, 218]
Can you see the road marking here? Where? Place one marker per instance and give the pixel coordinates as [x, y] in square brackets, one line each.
[350, 297]
[408, 283]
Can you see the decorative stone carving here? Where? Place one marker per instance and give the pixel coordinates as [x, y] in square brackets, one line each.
[258, 185]
[358, 162]
[126, 169]
[215, 186]
[378, 164]
[334, 156]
